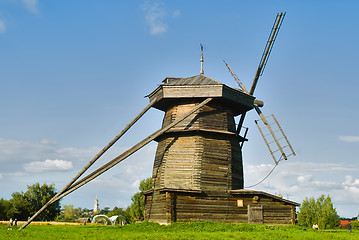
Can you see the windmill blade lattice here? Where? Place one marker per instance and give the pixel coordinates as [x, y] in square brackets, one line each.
[275, 139]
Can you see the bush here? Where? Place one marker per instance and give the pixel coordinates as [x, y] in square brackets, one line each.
[355, 224]
[320, 211]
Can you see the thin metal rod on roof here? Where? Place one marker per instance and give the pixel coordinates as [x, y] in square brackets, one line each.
[202, 71]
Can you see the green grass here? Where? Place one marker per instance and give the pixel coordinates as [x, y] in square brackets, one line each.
[192, 230]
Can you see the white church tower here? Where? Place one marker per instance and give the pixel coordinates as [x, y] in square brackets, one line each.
[95, 208]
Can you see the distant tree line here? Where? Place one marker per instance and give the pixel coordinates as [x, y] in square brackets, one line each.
[70, 214]
[131, 214]
[23, 205]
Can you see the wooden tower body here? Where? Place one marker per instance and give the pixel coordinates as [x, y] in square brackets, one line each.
[198, 170]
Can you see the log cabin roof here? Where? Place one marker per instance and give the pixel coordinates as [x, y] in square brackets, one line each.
[195, 80]
[260, 193]
[200, 87]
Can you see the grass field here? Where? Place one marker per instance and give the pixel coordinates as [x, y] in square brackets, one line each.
[193, 230]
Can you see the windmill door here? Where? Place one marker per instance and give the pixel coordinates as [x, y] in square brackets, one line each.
[255, 214]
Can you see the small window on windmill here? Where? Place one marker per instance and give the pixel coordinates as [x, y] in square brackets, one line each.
[240, 203]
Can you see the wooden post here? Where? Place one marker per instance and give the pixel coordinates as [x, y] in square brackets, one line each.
[293, 214]
[171, 207]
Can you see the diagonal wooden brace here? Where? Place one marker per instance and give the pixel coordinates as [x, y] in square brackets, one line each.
[73, 186]
[55, 198]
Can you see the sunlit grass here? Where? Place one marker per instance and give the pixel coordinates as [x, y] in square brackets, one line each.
[192, 230]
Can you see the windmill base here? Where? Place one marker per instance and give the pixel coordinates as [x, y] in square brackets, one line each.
[166, 206]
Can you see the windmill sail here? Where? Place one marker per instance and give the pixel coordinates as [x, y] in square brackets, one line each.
[275, 139]
[277, 145]
[267, 50]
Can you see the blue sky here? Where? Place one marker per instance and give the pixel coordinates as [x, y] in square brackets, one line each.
[74, 73]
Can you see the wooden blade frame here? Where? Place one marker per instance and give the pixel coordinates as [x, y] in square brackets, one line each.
[267, 50]
[72, 185]
[281, 143]
[262, 63]
[264, 120]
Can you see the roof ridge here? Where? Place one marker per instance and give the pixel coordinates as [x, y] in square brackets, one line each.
[194, 80]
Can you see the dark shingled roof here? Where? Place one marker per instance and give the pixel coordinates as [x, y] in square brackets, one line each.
[195, 80]
[255, 192]
[199, 87]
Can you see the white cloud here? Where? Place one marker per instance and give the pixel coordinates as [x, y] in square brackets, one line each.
[2, 26]
[324, 185]
[154, 16]
[348, 180]
[47, 142]
[14, 153]
[48, 165]
[304, 179]
[350, 184]
[349, 139]
[176, 13]
[31, 5]
[136, 183]
[15, 174]
[82, 154]
[297, 180]
[107, 181]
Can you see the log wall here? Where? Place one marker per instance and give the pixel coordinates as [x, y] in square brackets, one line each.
[185, 207]
[198, 172]
[202, 152]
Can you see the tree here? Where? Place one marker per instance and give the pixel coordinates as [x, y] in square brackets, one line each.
[307, 214]
[5, 207]
[120, 212]
[329, 216]
[137, 207]
[20, 208]
[320, 211]
[69, 212]
[24, 205]
[86, 212]
[104, 211]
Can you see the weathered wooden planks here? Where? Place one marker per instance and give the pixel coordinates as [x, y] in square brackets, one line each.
[197, 87]
[182, 207]
[198, 169]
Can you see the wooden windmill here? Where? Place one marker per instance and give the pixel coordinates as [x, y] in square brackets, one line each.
[198, 168]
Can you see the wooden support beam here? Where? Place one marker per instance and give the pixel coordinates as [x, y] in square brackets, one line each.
[73, 186]
[129, 152]
[55, 198]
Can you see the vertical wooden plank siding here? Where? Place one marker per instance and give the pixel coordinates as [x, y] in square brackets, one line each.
[184, 207]
[199, 160]
[197, 167]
